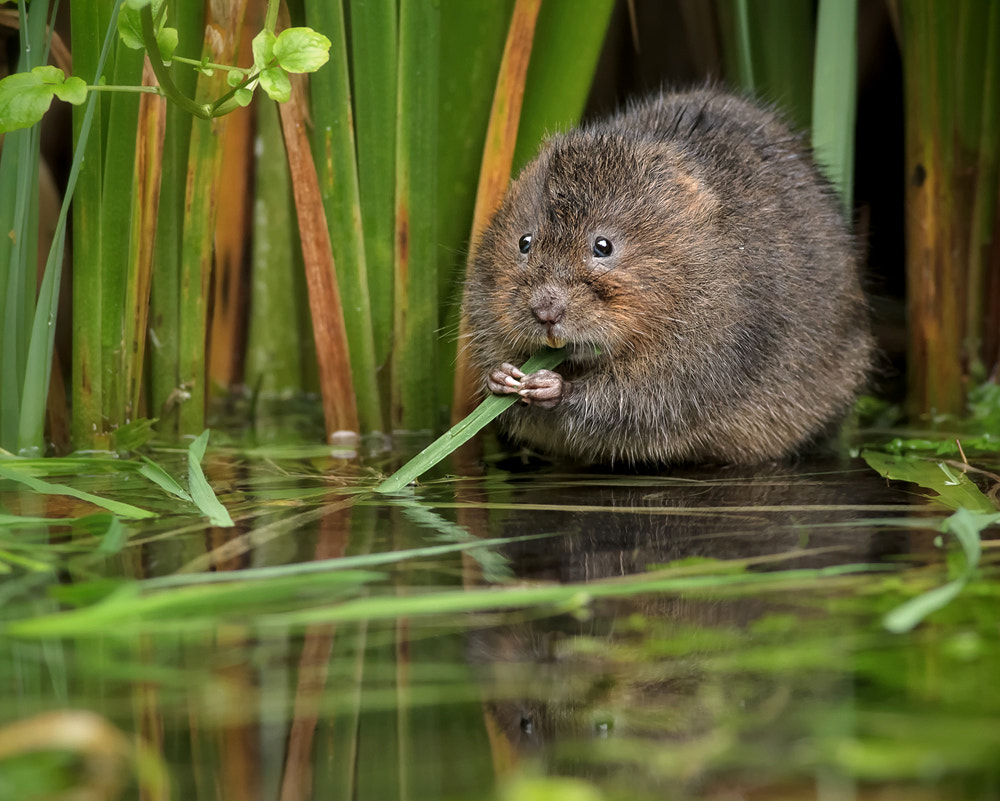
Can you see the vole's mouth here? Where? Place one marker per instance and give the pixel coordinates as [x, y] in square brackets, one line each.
[556, 336]
[581, 351]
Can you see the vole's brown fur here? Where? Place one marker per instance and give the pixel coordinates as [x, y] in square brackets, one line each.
[728, 322]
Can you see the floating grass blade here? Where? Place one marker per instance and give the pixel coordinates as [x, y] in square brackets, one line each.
[163, 479]
[9, 471]
[488, 410]
[131, 607]
[201, 490]
[954, 489]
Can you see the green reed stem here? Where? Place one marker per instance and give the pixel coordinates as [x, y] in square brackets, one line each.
[568, 39]
[834, 105]
[336, 166]
[374, 33]
[414, 404]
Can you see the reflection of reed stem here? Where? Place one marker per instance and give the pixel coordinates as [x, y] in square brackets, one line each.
[403, 721]
[314, 668]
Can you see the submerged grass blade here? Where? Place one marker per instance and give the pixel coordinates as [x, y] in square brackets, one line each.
[462, 432]
[9, 471]
[114, 537]
[557, 597]
[312, 593]
[129, 607]
[201, 491]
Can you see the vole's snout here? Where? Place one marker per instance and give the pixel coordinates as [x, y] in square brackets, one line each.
[548, 304]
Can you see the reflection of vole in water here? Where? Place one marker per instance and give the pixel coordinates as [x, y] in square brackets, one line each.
[699, 272]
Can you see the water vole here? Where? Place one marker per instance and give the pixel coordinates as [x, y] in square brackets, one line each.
[698, 270]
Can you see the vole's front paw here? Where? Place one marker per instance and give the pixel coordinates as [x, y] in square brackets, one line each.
[544, 389]
[504, 380]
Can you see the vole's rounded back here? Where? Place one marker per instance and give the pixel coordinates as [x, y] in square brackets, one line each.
[701, 275]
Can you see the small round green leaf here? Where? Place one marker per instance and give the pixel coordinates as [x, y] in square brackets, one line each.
[263, 49]
[73, 91]
[276, 83]
[301, 49]
[166, 41]
[243, 96]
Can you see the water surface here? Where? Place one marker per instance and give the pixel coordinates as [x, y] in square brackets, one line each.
[707, 634]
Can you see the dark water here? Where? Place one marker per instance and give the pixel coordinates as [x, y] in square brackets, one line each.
[783, 685]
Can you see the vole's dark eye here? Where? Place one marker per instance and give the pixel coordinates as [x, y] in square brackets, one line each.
[603, 247]
[524, 244]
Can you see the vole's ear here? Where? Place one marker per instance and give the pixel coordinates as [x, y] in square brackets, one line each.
[682, 188]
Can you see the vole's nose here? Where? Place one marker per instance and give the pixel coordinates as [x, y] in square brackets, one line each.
[548, 304]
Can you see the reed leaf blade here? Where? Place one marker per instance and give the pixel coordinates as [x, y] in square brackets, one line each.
[463, 431]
